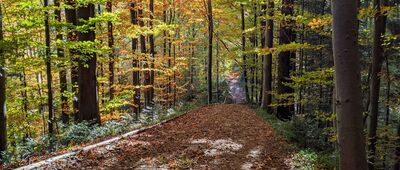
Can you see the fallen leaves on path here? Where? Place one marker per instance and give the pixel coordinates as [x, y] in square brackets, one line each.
[211, 137]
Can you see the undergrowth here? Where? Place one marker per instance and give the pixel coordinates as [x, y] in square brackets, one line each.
[75, 134]
[306, 141]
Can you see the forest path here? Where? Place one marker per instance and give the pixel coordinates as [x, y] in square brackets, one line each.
[223, 136]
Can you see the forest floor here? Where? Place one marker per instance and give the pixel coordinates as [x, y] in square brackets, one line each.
[221, 136]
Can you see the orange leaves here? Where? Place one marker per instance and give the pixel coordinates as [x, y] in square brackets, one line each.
[319, 23]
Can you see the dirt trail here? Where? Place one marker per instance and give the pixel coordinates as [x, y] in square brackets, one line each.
[210, 137]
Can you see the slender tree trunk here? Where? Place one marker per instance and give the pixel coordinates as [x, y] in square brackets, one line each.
[152, 52]
[88, 97]
[246, 87]
[144, 51]
[210, 48]
[397, 164]
[254, 70]
[135, 62]
[217, 65]
[377, 60]
[268, 27]
[285, 65]
[111, 78]
[48, 71]
[191, 68]
[348, 85]
[3, 119]
[70, 15]
[63, 72]
[388, 91]
[41, 105]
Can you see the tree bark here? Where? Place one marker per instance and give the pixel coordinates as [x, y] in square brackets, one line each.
[111, 78]
[70, 15]
[285, 66]
[152, 52]
[143, 52]
[268, 27]
[62, 73]
[88, 99]
[48, 71]
[3, 119]
[377, 60]
[210, 49]
[246, 87]
[135, 62]
[348, 85]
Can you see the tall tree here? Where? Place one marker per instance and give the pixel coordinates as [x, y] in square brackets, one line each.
[348, 85]
[135, 62]
[110, 34]
[143, 52]
[88, 100]
[70, 15]
[268, 31]
[210, 49]
[285, 65]
[152, 51]
[48, 71]
[246, 87]
[3, 120]
[63, 72]
[377, 60]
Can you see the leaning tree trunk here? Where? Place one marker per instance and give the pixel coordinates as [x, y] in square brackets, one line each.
[267, 64]
[3, 120]
[377, 60]
[285, 109]
[348, 85]
[210, 49]
[88, 100]
[48, 71]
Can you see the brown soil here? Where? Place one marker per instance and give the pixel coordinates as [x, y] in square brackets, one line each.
[210, 137]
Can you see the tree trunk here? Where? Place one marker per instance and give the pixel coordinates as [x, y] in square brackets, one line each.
[143, 53]
[152, 52]
[62, 73]
[111, 78]
[48, 71]
[3, 120]
[285, 66]
[210, 49]
[246, 87]
[70, 15]
[135, 63]
[348, 85]
[377, 60]
[268, 27]
[88, 99]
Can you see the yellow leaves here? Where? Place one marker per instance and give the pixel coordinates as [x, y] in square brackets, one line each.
[319, 23]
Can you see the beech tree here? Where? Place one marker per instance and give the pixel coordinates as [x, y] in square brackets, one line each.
[377, 60]
[348, 85]
[48, 71]
[285, 63]
[88, 99]
[3, 120]
[210, 49]
[268, 27]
